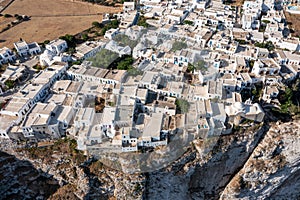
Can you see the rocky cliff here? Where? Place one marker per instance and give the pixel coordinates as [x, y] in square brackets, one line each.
[21, 180]
[273, 169]
[59, 171]
[257, 161]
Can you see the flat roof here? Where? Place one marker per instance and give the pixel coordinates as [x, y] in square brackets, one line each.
[64, 112]
[153, 125]
[77, 69]
[15, 104]
[214, 87]
[74, 87]
[84, 114]
[199, 90]
[124, 113]
[30, 91]
[44, 77]
[148, 76]
[116, 75]
[141, 93]
[108, 115]
[6, 120]
[13, 71]
[33, 45]
[44, 108]
[57, 42]
[56, 98]
[175, 87]
[61, 85]
[20, 44]
[218, 109]
[4, 50]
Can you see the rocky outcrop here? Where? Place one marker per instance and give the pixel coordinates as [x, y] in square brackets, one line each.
[231, 152]
[273, 169]
[171, 182]
[19, 179]
[257, 161]
[76, 176]
[197, 175]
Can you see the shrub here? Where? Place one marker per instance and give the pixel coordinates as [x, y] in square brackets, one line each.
[268, 45]
[70, 39]
[265, 21]
[112, 24]
[142, 22]
[19, 18]
[10, 84]
[125, 63]
[200, 65]
[96, 24]
[178, 45]
[46, 41]
[7, 15]
[188, 22]
[85, 37]
[104, 58]
[182, 106]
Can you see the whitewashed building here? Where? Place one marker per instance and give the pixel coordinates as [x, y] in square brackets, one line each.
[25, 49]
[6, 55]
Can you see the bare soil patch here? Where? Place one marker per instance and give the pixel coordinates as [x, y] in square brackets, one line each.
[51, 19]
[294, 23]
[4, 3]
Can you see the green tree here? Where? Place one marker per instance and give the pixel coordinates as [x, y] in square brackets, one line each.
[70, 39]
[104, 58]
[19, 18]
[182, 106]
[71, 50]
[114, 23]
[178, 45]
[10, 84]
[85, 37]
[200, 65]
[126, 63]
[265, 21]
[134, 72]
[97, 24]
[268, 45]
[142, 22]
[189, 22]
[7, 15]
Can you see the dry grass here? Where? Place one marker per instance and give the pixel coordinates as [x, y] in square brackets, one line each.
[294, 23]
[51, 19]
[5, 21]
[3, 3]
[237, 3]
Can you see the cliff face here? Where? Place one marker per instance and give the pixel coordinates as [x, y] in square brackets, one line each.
[199, 176]
[253, 163]
[72, 175]
[20, 180]
[273, 169]
[229, 155]
[257, 161]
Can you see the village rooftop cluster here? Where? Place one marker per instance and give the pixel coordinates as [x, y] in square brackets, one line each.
[194, 61]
